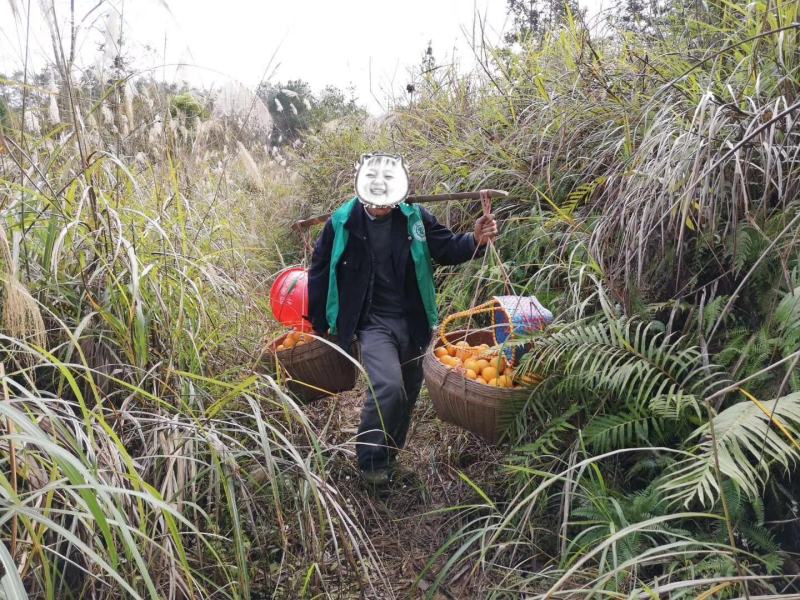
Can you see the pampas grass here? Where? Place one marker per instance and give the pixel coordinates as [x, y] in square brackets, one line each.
[22, 318]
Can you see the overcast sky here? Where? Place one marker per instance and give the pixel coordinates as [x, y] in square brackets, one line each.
[364, 43]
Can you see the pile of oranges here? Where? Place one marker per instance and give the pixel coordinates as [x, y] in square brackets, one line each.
[293, 339]
[477, 363]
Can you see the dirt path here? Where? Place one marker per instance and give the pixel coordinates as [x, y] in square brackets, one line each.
[409, 526]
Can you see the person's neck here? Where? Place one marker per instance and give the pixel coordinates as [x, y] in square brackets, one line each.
[377, 214]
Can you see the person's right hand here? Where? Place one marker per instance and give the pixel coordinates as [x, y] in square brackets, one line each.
[485, 230]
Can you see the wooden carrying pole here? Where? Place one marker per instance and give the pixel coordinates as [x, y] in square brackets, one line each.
[304, 224]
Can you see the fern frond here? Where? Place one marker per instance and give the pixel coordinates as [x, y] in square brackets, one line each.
[629, 359]
[551, 440]
[569, 385]
[580, 195]
[750, 243]
[676, 406]
[787, 321]
[714, 566]
[757, 537]
[737, 340]
[773, 563]
[648, 466]
[741, 431]
[757, 504]
[712, 311]
[622, 430]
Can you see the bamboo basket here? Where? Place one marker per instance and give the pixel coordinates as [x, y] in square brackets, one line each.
[484, 410]
[313, 370]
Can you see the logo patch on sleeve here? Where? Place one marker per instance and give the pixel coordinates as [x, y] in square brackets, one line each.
[418, 231]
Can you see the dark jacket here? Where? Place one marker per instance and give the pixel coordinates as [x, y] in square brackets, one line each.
[355, 275]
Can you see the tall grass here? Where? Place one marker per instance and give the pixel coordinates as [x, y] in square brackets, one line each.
[146, 452]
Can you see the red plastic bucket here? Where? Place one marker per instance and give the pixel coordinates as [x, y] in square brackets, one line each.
[288, 298]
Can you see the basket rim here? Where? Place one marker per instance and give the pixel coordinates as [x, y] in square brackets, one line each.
[273, 345]
[311, 346]
[447, 375]
[341, 373]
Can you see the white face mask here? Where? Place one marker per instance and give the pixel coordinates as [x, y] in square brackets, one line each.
[381, 180]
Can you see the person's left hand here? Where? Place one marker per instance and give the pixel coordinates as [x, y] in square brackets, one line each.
[485, 229]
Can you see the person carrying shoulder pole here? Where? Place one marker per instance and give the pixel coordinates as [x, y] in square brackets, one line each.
[371, 278]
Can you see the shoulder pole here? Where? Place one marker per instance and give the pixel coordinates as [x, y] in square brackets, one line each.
[418, 199]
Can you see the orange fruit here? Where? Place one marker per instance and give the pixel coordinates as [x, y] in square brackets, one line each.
[481, 363]
[289, 342]
[499, 363]
[471, 374]
[451, 350]
[492, 382]
[471, 363]
[440, 351]
[504, 381]
[280, 348]
[480, 379]
[489, 373]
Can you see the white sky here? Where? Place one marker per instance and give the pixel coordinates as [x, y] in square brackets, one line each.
[368, 44]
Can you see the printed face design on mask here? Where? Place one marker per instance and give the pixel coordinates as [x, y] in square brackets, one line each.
[381, 180]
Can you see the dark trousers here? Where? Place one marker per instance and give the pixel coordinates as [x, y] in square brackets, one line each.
[393, 363]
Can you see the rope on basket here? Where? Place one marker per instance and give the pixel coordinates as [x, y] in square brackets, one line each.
[486, 205]
[308, 246]
[486, 202]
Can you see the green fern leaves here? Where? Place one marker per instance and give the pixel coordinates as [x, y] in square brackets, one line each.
[650, 387]
[581, 194]
[647, 382]
[747, 446]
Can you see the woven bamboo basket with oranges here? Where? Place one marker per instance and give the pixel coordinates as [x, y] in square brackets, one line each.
[471, 381]
[310, 367]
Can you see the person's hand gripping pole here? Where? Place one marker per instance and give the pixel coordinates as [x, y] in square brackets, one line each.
[485, 227]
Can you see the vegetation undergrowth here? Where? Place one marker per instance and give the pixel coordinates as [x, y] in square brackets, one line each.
[653, 170]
